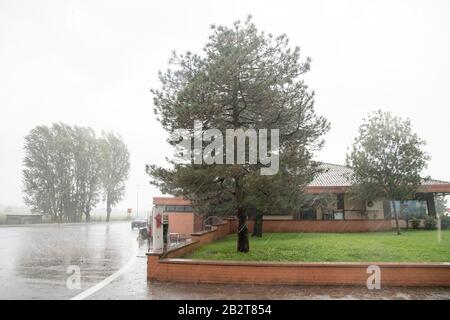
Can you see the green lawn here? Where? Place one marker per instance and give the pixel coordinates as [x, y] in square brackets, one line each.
[411, 246]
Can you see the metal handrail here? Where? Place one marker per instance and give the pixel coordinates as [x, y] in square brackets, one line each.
[210, 218]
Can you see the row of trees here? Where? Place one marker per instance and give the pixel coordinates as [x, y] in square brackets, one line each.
[68, 171]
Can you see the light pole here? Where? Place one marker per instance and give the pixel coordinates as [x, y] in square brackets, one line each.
[137, 201]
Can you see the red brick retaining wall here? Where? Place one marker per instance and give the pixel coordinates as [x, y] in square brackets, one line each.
[199, 239]
[392, 274]
[217, 231]
[166, 267]
[319, 225]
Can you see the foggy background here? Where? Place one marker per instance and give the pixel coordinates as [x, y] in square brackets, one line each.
[92, 63]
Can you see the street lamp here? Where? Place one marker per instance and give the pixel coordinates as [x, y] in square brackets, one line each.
[137, 201]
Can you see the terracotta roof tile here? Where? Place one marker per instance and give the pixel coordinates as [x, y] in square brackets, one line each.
[335, 175]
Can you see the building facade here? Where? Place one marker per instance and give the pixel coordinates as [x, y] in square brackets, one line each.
[332, 184]
[179, 214]
[335, 180]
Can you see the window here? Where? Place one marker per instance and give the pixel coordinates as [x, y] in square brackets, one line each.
[305, 214]
[338, 216]
[340, 201]
[178, 209]
[328, 216]
[409, 209]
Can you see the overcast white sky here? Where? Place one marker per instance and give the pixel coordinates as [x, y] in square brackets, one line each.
[91, 63]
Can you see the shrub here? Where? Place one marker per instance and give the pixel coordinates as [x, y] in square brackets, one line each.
[415, 223]
[430, 223]
[445, 222]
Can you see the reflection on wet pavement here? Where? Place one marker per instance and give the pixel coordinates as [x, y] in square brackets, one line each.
[34, 262]
[34, 259]
[133, 286]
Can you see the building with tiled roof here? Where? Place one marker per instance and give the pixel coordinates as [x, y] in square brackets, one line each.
[334, 181]
[336, 178]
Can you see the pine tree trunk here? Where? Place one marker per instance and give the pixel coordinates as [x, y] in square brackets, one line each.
[243, 244]
[397, 226]
[108, 209]
[257, 226]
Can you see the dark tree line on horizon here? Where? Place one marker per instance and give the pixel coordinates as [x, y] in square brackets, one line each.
[68, 171]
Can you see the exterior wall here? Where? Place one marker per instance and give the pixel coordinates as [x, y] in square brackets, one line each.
[377, 210]
[319, 226]
[217, 232]
[351, 203]
[353, 208]
[401, 223]
[319, 214]
[353, 215]
[183, 250]
[357, 215]
[379, 214]
[395, 274]
[181, 222]
[278, 217]
[326, 226]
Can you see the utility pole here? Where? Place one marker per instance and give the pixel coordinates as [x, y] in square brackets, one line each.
[137, 202]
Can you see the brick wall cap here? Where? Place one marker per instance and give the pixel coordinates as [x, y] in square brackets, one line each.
[201, 233]
[160, 252]
[220, 223]
[321, 221]
[307, 264]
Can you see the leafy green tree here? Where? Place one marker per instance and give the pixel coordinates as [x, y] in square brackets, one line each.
[115, 167]
[65, 168]
[387, 159]
[48, 172]
[245, 79]
[38, 175]
[278, 194]
[441, 205]
[324, 201]
[87, 171]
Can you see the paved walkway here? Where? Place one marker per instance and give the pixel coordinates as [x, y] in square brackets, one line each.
[133, 285]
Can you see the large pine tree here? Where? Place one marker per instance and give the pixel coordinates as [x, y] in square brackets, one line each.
[245, 79]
